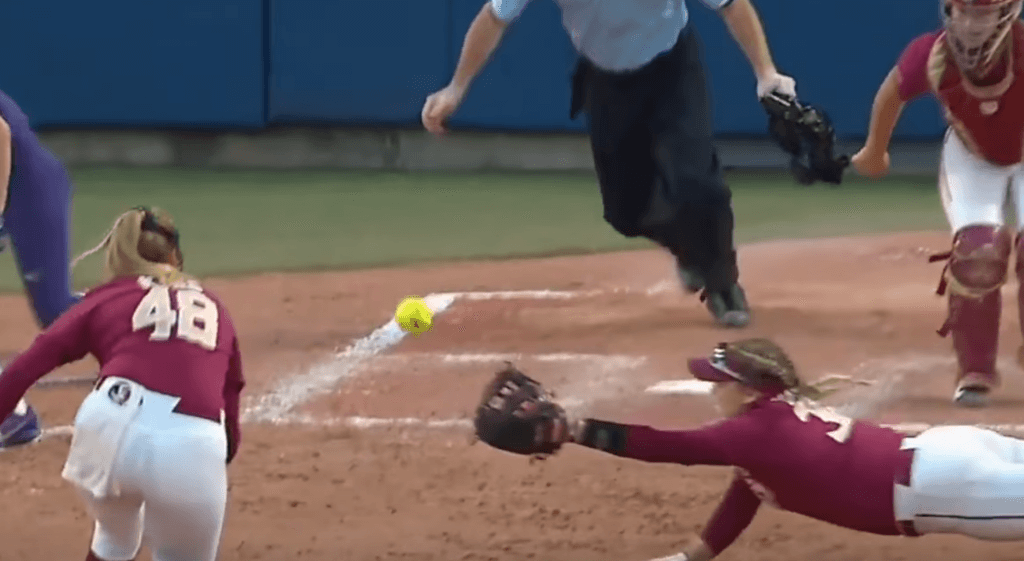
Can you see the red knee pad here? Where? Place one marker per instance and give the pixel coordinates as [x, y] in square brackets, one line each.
[977, 268]
[979, 260]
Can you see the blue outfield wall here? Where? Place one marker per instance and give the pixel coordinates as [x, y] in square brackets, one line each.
[356, 61]
[132, 63]
[252, 63]
[352, 61]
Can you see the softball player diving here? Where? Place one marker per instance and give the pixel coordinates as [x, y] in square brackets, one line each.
[789, 453]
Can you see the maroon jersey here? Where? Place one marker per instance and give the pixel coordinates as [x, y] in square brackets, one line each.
[177, 340]
[808, 461]
[989, 119]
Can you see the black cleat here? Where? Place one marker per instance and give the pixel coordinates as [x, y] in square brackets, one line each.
[692, 280]
[729, 307]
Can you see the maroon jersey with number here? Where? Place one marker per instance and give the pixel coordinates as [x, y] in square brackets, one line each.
[989, 118]
[808, 461]
[177, 340]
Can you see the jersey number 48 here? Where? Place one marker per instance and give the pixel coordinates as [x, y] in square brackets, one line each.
[194, 314]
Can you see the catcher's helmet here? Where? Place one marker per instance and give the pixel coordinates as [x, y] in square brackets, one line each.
[21, 427]
[976, 30]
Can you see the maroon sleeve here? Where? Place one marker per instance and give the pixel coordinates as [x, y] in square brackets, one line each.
[912, 67]
[232, 395]
[732, 516]
[707, 445]
[65, 340]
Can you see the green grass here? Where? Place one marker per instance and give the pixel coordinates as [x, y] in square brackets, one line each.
[237, 222]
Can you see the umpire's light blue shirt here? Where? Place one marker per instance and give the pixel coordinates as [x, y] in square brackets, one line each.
[616, 35]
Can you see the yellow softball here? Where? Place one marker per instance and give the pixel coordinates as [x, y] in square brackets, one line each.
[413, 315]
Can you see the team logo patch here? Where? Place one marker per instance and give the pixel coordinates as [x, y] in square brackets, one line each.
[119, 393]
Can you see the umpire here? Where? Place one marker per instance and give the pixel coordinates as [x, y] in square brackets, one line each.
[640, 78]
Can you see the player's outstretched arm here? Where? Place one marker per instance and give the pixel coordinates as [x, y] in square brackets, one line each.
[701, 446]
[745, 26]
[481, 40]
[873, 159]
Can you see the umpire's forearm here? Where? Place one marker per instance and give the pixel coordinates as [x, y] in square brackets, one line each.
[745, 26]
[482, 38]
[885, 113]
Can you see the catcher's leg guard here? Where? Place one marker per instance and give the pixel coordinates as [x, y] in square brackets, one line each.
[976, 270]
[1019, 269]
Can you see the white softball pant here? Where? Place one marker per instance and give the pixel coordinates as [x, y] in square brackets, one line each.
[975, 191]
[147, 473]
[965, 480]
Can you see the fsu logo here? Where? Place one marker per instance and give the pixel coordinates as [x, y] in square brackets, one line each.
[119, 393]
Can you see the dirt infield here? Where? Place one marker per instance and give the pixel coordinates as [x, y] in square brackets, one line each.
[357, 446]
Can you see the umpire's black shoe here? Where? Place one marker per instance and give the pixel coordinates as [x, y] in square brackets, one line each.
[729, 307]
[691, 278]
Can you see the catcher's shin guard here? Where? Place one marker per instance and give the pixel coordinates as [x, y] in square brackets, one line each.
[976, 270]
[1019, 270]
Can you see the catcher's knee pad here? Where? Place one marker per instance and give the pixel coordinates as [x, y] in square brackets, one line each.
[977, 268]
[21, 427]
[979, 260]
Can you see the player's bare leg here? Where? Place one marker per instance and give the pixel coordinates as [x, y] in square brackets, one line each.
[977, 269]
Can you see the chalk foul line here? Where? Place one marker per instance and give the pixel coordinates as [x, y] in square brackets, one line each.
[294, 391]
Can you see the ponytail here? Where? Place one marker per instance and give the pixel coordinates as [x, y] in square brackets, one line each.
[132, 250]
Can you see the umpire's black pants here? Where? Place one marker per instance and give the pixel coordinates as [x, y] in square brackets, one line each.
[651, 136]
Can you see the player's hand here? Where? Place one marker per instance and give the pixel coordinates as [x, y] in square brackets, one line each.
[775, 83]
[439, 106]
[871, 163]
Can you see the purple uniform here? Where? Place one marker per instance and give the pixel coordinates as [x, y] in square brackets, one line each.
[37, 217]
[809, 461]
[179, 342]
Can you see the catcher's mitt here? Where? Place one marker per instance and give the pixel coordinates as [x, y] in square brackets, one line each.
[807, 135]
[516, 414]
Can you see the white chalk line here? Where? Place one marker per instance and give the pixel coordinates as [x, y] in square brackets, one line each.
[621, 361]
[294, 391]
[321, 379]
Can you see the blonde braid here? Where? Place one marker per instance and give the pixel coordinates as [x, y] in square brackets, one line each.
[103, 244]
[765, 360]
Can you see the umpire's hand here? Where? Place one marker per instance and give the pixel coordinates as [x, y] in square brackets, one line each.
[775, 83]
[439, 107]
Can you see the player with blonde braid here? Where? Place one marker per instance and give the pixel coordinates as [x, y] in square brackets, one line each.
[789, 452]
[161, 423]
